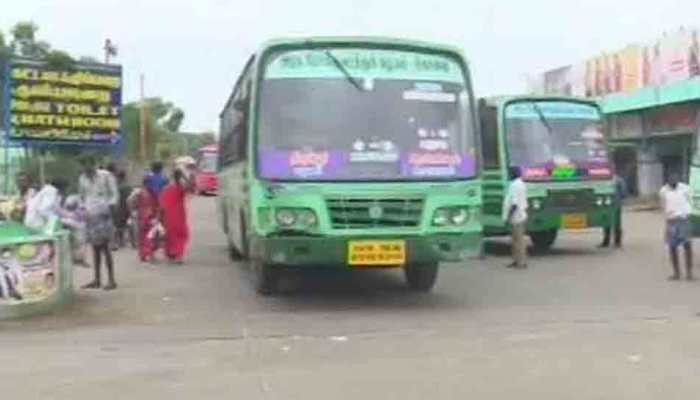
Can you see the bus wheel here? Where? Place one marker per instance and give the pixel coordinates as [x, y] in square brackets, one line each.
[245, 246]
[233, 253]
[543, 240]
[265, 277]
[421, 277]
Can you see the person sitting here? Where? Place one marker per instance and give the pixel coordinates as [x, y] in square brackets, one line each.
[43, 207]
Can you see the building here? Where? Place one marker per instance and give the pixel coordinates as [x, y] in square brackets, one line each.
[650, 94]
[652, 133]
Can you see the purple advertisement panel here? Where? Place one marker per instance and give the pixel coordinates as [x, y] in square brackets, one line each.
[363, 165]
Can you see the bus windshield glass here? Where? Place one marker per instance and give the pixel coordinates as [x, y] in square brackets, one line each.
[357, 114]
[207, 162]
[556, 139]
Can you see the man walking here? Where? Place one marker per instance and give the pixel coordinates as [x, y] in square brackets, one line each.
[676, 202]
[620, 194]
[99, 194]
[515, 214]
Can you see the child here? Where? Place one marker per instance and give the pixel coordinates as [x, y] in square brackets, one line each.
[73, 218]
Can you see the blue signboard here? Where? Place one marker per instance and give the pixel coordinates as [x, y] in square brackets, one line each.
[45, 105]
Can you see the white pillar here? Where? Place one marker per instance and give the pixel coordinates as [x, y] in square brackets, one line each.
[650, 172]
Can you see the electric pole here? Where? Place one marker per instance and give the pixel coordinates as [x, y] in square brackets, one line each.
[143, 121]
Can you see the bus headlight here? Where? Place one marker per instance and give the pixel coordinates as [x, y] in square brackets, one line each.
[608, 200]
[285, 217]
[307, 218]
[451, 216]
[302, 218]
[441, 217]
[599, 201]
[536, 204]
[459, 216]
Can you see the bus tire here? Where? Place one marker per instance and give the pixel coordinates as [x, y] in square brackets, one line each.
[421, 277]
[543, 240]
[265, 278]
[233, 253]
[245, 246]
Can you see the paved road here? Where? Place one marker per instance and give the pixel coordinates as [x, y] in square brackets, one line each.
[580, 323]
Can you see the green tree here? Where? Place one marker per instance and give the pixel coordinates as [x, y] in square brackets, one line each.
[163, 122]
[25, 43]
[4, 49]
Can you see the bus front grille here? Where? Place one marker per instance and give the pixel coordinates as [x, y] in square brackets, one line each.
[362, 213]
[571, 200]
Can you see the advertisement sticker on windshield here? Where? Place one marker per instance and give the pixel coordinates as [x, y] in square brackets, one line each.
[383, 151]
[281, 164]
[437, 164]
[433, 97]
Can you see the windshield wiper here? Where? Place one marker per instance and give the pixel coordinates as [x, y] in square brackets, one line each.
[543, 119]
[342, 69]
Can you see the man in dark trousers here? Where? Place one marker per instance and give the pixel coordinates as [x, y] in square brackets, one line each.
[620, 194]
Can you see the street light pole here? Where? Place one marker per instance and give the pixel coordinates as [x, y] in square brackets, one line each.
[143, 120]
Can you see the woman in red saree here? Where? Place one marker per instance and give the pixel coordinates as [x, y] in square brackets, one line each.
[145, 202]
[174, 217]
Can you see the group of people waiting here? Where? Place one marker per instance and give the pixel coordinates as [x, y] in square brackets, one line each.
[101, 214]
[676, 203]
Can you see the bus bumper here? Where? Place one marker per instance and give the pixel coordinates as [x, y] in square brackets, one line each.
[333, 251]
[548, 220]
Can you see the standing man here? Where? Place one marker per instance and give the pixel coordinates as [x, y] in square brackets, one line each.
[620, 194]
[99, 195]
[515, 214]
[676, 202]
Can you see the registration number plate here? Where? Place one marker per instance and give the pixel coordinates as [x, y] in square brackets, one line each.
[376, 253]
[574, 221]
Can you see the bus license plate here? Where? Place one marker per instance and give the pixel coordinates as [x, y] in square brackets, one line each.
[376, 253]
[574, 221]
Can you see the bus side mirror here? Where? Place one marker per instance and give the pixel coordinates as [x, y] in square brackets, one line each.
[239, 105]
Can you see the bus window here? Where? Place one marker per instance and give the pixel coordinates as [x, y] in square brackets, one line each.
[488, 117]
[234, 127]
[553, 133]
[408, 125]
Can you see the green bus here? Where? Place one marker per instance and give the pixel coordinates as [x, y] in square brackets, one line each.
[560, 146]
[351, 153]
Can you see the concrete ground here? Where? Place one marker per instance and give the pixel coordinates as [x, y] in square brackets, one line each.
[581, 323]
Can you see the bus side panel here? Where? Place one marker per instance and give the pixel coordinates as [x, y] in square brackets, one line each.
[235, 201]
[695, 188]
[493, 192]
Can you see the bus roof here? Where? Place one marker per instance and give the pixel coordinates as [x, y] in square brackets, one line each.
[210, 148]
[347, 40]
[500, 101]
[372, 40]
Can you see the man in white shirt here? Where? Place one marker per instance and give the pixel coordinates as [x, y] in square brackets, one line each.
[515, 214]
[676, 202]
[44, 205]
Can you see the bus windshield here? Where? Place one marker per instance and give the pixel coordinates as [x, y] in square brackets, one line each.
[351, 114]
[207, 162]
[545, 135]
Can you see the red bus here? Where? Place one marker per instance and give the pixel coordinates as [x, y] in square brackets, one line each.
[205, 177]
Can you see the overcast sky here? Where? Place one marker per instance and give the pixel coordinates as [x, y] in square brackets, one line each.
[191, 51]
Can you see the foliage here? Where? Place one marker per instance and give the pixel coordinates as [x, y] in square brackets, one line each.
[60, 60]
[4, 50]
[162, 125]
[24, 42]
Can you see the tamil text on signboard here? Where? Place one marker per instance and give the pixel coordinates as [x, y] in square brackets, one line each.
[81, 105]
